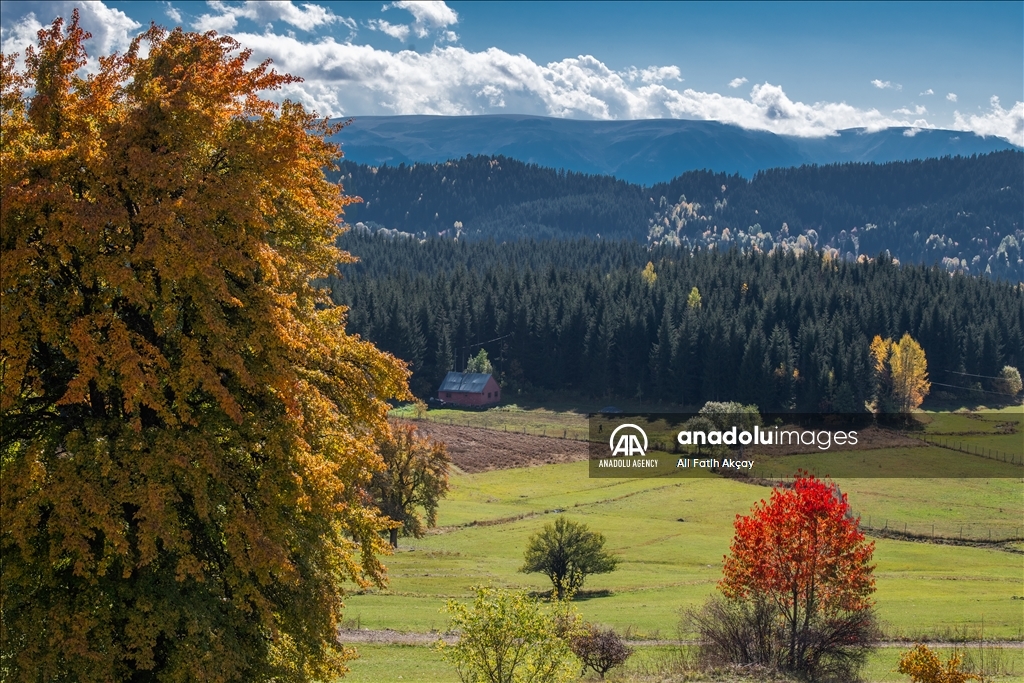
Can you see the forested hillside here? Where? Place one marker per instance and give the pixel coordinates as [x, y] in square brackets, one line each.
[590, 317]
[963, 214]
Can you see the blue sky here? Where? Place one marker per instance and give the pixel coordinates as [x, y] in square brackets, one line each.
[795, 68]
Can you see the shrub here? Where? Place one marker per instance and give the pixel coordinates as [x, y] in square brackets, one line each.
[506, 637]
[753, 633]
[600, 650]
[924, 666]
[737, 632]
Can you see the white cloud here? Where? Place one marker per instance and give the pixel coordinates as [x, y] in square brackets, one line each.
[344, 79]
[886, 85]
[226, 20]
[428, 16]
[21, 34]
[306, 18]
[493, 95]
[1002, 123]
[398, 31]
[652, 74]
[929, 91]
[951, 97]
[112, 30]
[737, 82]
[172, 13]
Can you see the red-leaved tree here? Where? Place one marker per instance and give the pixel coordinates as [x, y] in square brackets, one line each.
[803, 554]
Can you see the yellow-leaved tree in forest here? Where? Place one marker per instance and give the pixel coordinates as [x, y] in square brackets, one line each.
[187, 431]
[901, 374]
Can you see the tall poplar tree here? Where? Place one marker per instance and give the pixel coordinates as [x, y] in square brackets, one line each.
[187, 429]
[901, 371]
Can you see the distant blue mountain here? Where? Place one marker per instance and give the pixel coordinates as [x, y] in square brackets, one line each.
[644, 152]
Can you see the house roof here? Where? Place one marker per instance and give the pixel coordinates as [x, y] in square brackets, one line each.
[472, 382]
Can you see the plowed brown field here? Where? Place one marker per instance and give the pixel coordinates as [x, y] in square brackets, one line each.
[477, 450]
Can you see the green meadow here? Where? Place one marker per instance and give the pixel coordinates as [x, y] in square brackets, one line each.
[671, 535]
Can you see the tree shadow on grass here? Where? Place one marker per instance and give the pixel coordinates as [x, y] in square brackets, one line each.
[580, 596]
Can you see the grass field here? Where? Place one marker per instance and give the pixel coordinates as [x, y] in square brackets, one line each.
[992, 433]
[671, 535]
[923, 589]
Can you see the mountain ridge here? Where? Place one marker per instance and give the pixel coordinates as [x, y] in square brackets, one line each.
[644, 152]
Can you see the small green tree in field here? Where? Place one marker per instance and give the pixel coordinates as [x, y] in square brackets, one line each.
[566, 552]
[480, 363]
[507, 637]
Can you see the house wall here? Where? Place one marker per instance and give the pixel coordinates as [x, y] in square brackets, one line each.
[493, 388]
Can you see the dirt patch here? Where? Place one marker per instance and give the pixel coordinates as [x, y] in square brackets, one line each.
[473, 449]
[349, 636]
[386, 636]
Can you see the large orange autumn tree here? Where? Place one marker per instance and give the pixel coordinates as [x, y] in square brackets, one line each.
[187, 431]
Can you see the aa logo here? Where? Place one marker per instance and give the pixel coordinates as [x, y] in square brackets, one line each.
[628, 444]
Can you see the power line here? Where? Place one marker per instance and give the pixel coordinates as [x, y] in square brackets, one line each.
[470, 346]
[984, 391]
[967, 374]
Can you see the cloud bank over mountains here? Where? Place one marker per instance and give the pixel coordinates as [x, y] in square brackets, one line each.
[343, 77]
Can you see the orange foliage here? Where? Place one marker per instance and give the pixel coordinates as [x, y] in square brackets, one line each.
[901, 374]
[415, 476]
[924, 666]
[187, 429]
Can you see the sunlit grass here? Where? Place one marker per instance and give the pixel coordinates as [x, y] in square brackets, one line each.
[671, 536]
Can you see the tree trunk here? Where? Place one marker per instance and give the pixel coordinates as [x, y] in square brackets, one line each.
[792, 631]
[394, 537]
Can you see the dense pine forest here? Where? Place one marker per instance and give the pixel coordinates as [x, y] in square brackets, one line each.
[602, 318]
[963, 214]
